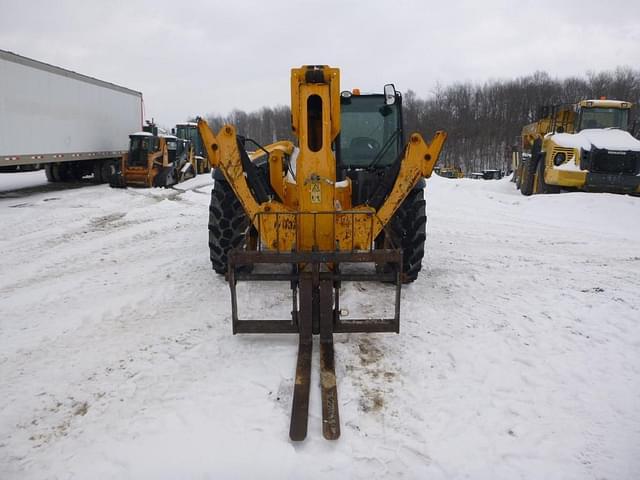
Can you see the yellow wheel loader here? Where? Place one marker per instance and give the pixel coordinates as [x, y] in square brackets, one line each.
[349, 192]
[155, 160]
[450, 172]
[584, 146]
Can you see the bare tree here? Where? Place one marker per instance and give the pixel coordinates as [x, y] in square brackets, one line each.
[483, 121]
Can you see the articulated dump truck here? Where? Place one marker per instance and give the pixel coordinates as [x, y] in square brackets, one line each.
[585, 146]
[350, 192]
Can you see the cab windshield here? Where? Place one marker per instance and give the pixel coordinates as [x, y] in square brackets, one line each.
[139, 143]
[139, 147]
[370, 133]
[598, 117]
[190, 132]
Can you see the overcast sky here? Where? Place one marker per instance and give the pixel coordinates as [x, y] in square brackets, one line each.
[198, 57]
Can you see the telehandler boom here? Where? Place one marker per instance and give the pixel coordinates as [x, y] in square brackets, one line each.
[349, 192]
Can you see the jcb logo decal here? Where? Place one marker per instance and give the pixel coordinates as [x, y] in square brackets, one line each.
[315, 192]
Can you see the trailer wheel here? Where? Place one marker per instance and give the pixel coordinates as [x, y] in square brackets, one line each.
[68, 171]
[77, 170]
[227, 225]
[408, 228]
[103, 170]
[108, 169]
[97, 172]
[51, 173]
[60, 172]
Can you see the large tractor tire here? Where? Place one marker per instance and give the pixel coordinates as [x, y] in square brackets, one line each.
[408, 228]
[526, 178]
[117, 181]
[541, 185]
[97, 172]
[228, 224]
[529, 168]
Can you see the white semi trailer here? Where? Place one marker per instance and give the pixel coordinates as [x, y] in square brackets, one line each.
[70, 124]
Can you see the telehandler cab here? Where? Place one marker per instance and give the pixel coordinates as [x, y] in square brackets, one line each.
[350, 192]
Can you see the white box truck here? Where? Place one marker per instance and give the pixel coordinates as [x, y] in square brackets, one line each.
[70, 124]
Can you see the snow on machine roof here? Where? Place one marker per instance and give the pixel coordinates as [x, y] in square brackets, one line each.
[604, 104]
[609, 138]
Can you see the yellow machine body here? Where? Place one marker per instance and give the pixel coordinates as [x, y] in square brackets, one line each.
[450, 172]
[144, 175]
[316, 211]
[555, 164]
[157, 164]
[306, 222]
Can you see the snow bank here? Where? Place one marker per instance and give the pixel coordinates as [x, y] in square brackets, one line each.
[20, 180]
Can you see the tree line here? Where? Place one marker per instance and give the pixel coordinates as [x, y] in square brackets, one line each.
[483, 121]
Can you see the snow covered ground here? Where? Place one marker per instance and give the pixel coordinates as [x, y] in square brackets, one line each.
[22, 181]
[518, 357]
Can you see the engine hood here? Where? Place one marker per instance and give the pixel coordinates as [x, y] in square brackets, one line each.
[601, 138]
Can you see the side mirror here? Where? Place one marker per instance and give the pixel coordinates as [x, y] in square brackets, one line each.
[389, 94]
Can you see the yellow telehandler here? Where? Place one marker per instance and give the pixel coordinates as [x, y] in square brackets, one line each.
[350, 192]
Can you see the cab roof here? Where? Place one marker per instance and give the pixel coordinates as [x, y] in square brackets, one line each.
[605, 104]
